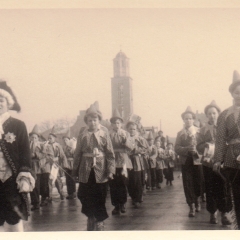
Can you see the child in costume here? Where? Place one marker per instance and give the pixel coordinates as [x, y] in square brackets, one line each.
[169, 162]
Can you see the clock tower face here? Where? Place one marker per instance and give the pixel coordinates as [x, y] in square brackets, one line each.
[122, 86]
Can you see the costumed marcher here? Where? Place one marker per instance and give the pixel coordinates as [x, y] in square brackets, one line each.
[162, 139]
[16, 177]
[69, 149]
[169, 162]
[160, 162]
[227, 146]
[137, 174]
[185, 147]
[38, 157]
[216, 196]
[121, 146]
[55, 161]
[94, 163]
[152, 153]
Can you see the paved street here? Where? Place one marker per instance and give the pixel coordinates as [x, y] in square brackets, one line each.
[162, 209]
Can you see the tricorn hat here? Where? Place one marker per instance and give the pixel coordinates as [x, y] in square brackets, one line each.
[35, 131]
[7, 92]
[93, 109]
[235, 81]
[53, 131]
[212, 104]
[116, 115]
[188, 110]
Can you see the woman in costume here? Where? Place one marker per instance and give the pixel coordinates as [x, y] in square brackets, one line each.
[94, 163]
[227, 146]
[185, 147]
[16, 179]
[121, 146]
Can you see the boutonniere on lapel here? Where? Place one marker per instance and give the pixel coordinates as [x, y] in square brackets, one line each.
[10, 137]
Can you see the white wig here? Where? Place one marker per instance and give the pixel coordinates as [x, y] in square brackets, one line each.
[8, 97]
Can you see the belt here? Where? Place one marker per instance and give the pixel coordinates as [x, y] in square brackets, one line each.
[92, 155]
[120, 150]
[234, 141]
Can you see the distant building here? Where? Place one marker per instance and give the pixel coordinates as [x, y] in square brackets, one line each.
[122, 97]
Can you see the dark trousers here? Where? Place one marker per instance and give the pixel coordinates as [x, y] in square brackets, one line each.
[71, 185]
[35, 194]
[118, 188]
[44, 188]
[10, 198]
[191, 176]
[153, 177]
[233, 176]
[216, 195]
[136, 184]
[93, 198]
[168, 172]
[159, 175]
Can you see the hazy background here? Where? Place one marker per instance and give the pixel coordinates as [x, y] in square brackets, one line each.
[60, 61]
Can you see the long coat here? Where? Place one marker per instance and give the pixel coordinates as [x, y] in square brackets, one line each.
[121, 148]
[84, 162]
[15, 147]
[207, 135]
[227, 146]
[183, 141]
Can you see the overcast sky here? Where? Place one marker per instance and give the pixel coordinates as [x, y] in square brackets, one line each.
[58, 62]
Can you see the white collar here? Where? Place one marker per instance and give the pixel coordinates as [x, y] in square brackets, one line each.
[4, 117]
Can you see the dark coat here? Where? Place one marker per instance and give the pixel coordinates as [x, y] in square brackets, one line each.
[15, 147]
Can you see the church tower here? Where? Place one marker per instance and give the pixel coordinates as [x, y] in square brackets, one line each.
[122, 98]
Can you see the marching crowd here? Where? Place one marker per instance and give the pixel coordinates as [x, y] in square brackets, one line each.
[121, 159]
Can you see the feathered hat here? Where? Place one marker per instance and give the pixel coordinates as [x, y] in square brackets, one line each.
[212, 104]
[93, 109]
[235, 81]
[116, 115]
[35, 131]
[7, 92]
[53, 131]
[188, 110]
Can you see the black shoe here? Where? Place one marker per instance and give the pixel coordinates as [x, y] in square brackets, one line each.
[122, 208]
[167, 182]
[35, 207]
[116, 210]
[71, 196]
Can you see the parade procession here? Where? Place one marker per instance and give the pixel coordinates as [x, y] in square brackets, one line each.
[88, 145]
[124, 160]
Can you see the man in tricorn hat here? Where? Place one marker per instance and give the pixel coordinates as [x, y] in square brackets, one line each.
[121, 145]
[16, 177]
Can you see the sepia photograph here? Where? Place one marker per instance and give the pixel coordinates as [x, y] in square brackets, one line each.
[119, 117]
